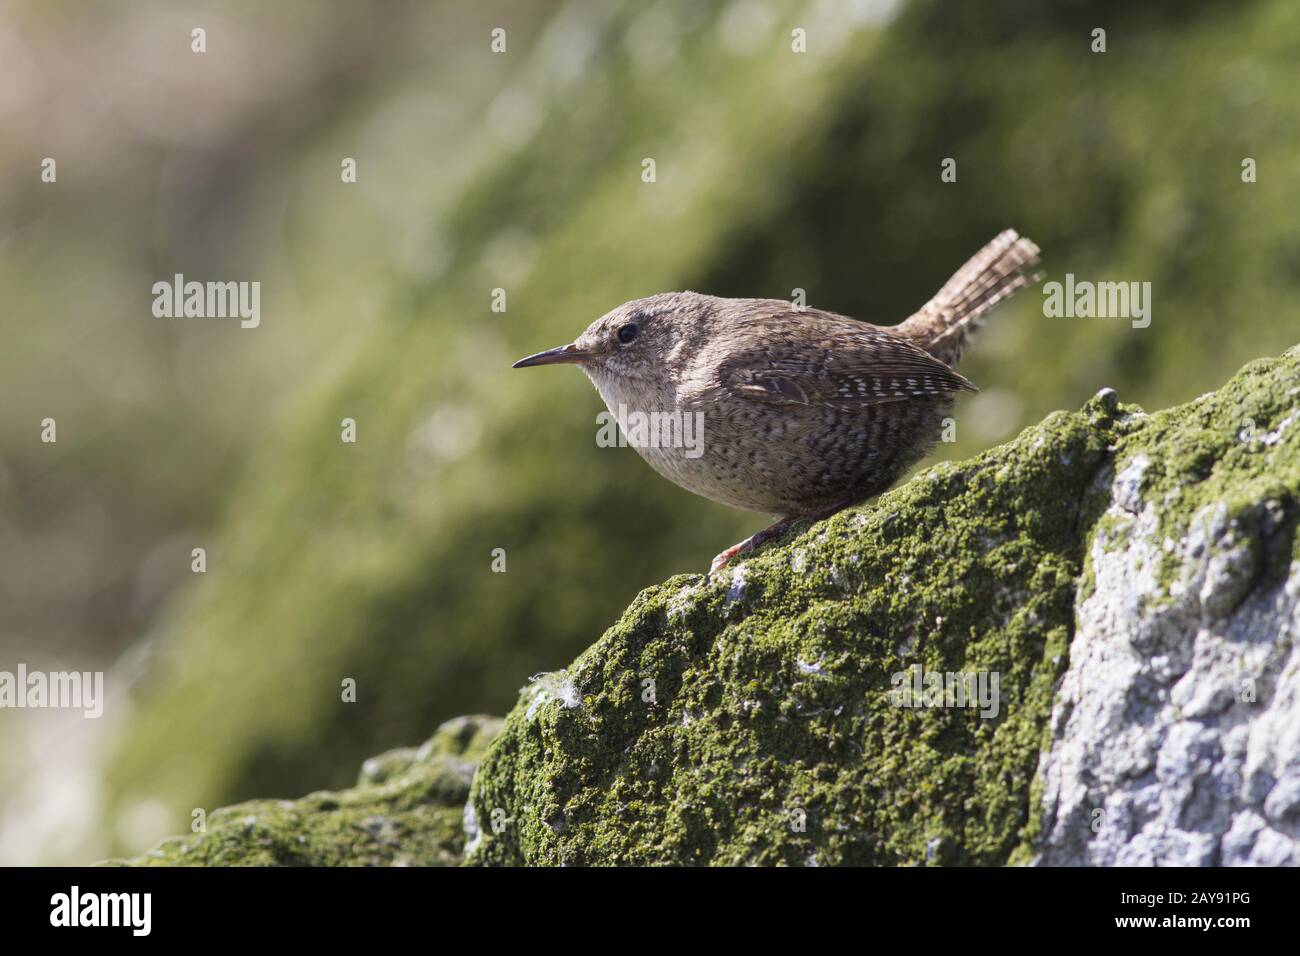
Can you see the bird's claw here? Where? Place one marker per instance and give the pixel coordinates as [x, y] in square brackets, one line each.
[723, 559]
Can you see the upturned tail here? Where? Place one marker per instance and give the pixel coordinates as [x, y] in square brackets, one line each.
[996, 272]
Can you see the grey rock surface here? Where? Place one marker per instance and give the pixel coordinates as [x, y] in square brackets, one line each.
[1176, 729]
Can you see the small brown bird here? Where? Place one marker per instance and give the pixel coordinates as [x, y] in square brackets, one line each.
[801, 412]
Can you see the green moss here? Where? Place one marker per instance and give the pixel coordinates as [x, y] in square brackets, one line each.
[406, 810]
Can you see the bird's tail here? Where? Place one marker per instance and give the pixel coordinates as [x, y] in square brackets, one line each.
[994, 273]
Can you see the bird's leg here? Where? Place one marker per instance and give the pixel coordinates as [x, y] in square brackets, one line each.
[773, 531]
[752, 542]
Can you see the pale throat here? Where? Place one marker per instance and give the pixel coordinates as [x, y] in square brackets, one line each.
[624, 394]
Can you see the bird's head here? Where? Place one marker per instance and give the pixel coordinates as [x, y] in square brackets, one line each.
[639, 339]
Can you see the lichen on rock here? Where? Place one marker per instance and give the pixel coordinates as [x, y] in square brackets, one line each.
[406, 810]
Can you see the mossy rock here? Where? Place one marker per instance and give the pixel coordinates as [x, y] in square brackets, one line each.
[406, 810]
[750, 719]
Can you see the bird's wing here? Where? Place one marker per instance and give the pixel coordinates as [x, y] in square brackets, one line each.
[866, 365]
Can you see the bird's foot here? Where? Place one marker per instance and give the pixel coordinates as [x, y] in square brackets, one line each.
[721, 560]
[759, 538]
[752, 543]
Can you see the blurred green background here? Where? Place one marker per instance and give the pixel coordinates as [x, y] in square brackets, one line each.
[520, 170]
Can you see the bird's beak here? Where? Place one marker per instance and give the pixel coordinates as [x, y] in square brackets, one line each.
[569, 354]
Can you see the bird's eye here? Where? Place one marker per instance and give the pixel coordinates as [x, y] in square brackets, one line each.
[627, 333]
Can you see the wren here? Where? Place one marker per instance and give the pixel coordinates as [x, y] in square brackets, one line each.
[804, 412]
